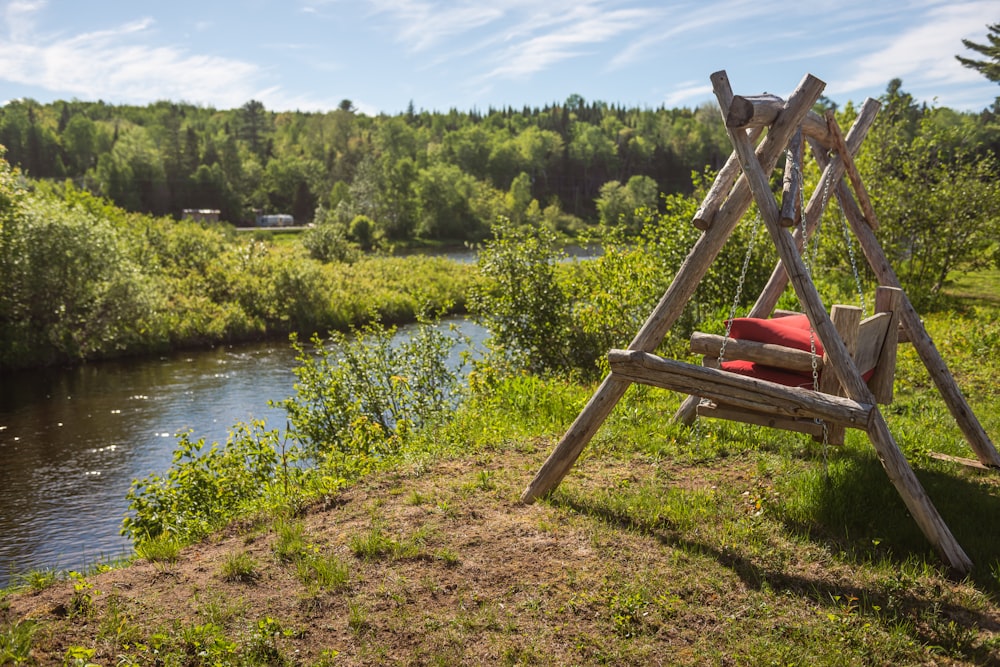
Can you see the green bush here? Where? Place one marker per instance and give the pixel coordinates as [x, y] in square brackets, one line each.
[205, 488]
[358, 395]
[546, 315]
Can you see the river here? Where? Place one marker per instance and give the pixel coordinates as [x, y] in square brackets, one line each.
[72, 440]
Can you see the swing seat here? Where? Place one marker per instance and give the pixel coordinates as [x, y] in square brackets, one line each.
[784, 350]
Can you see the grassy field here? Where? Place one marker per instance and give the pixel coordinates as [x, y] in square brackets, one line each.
[724, 544]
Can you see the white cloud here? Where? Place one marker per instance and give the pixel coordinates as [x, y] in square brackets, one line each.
[688, 92]
[118, 64]
[925, 52]
[572, 36]
[422, 25]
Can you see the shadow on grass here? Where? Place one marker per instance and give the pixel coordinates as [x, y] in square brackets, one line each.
[851, 506]
[855, 508]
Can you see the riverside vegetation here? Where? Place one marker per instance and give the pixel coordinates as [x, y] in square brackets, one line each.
[381, 523]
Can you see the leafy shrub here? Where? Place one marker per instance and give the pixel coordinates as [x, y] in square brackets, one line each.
[358, 395]
[204, 489]
[548, 316]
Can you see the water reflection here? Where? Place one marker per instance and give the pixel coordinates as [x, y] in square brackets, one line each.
[72, 441]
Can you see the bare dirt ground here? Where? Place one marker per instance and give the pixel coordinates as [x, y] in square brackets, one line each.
[468, 575]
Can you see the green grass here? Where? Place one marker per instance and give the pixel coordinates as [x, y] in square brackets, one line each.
[163, 548]
[240, 567]
[15, 642]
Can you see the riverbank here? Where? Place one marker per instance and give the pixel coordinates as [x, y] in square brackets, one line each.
[637, 560]
[727, 544]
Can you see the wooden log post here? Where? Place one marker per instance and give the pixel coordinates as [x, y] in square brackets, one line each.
[853, 175]
[791, 187]
[672, 304]
[887, 300]
[897, 468]
[917, 335]
[846, 320]
[721, 187]
[833, 171]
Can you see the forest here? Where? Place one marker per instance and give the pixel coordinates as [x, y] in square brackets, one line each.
[417, 175]
[96, 260]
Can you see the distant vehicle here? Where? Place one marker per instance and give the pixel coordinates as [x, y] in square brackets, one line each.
[201, 214]
[275, 220]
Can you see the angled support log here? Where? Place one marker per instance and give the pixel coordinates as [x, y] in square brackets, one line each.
[721, 187]
[672, 304]
[917, 335]
[853, 175]
[791, 188]
[897, 468]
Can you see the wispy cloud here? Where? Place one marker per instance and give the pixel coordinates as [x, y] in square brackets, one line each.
[925, 51]
[118, 63]
[687, 92]
[422, 24]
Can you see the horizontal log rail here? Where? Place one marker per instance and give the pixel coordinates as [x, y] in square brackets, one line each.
[769, 354]
[737, 390]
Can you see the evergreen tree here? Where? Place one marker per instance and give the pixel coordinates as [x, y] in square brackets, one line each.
[990, 68]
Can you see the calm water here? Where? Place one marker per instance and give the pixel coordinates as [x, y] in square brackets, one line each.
[72, 441]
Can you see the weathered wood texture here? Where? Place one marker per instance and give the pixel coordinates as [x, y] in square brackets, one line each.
[721, 187]
[715, 411]
[723, 387]
[754, 111]
[847, 321]
[762, 353]
[672, 304]
[888, 300]
[893, 461]
[791, 185]
[853, 175]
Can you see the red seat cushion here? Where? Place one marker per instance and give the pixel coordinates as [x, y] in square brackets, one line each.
[792, 331]
[769, 373]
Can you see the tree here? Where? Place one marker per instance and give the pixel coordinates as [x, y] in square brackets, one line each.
[990, 68]
[254, 128]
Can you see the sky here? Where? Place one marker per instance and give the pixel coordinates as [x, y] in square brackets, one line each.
[383, 55]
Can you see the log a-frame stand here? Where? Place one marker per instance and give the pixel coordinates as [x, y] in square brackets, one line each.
[727, 201]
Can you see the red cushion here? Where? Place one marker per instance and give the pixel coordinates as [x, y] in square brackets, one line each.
[769, 373]
[792, 331]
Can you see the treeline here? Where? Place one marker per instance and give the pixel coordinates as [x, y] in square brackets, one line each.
[87, 272]
[83, 279]
[414, 175]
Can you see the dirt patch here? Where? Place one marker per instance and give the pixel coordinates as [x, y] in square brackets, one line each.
[465, 575]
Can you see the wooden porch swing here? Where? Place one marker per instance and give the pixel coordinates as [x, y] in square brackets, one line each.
[761, 372]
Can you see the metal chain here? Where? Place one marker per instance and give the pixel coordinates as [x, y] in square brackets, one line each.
[739, 287]
[854, 262]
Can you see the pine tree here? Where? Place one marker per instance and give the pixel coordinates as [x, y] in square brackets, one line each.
[989, 68]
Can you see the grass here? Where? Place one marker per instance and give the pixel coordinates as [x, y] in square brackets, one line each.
[723, 544]
[161, 549]
[240, 567]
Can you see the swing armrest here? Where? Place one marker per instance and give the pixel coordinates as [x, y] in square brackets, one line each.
[768, 354]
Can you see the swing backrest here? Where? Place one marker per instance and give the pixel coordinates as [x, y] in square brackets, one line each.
[784, 350]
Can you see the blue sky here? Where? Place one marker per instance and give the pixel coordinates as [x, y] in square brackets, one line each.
[382, 54]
